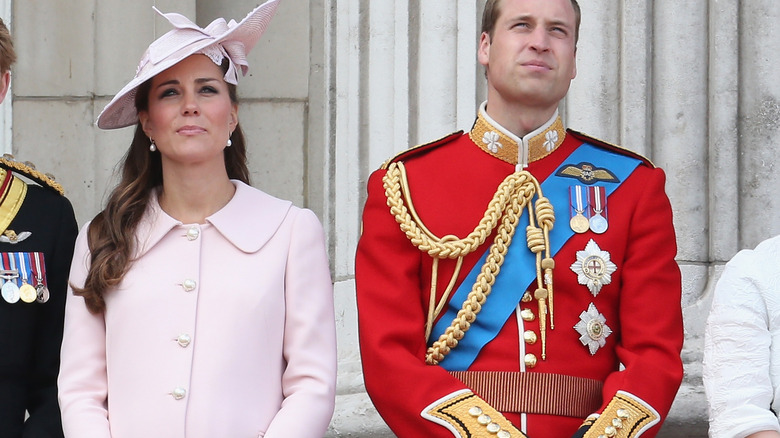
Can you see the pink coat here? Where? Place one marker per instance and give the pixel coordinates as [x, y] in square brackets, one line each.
[224, 329]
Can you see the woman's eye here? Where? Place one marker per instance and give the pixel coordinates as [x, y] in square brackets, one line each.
[168, 92]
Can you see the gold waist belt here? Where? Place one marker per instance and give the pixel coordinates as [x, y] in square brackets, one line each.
[535, 393]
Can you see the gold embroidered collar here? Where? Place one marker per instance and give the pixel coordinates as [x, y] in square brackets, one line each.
[502, 144]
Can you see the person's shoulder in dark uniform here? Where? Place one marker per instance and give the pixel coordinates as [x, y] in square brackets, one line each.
[37, 233]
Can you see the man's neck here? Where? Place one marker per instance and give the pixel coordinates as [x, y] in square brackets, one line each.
[518, 119]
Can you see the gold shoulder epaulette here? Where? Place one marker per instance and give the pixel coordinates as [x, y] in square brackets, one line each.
[607, 145]
[27, 169]
[403, 155]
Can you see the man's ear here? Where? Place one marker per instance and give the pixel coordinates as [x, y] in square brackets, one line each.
[483, 52]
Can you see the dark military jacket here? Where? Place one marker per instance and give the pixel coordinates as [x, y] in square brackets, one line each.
[31, 333]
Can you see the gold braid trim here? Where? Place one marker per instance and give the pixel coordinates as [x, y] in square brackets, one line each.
[470, 416]
[513, 194]
[626, 416]
[448, 246]
[28, 169]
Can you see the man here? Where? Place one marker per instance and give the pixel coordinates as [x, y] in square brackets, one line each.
[37, 233]
[519, 279]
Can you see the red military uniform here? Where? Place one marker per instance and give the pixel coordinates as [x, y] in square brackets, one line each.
[613, 352]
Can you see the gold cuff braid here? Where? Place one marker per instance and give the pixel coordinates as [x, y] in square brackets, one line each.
[624, 417]
[471, 416]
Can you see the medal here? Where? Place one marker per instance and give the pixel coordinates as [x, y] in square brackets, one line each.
[593, 268]
[578, 222]
[39, 272]
[598, 201]
[27, 293]
[593, 329]
[9, 291]
[42, 293]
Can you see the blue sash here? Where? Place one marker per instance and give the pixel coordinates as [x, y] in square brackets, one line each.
[518, 270]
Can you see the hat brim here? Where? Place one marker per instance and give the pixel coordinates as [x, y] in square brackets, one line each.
[121, 111]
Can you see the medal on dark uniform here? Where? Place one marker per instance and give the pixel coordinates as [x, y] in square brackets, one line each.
[9, 291]
[578, 222]
[598, 202]
[43, 293]
[39, 272]
[27, 293]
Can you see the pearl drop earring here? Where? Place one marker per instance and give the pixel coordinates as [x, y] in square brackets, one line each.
[152, 147]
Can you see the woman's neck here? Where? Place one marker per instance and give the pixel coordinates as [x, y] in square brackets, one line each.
[190, 196]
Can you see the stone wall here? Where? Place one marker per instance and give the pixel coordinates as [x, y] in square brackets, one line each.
[337, 86]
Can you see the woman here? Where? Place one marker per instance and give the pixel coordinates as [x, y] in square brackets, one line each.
[201, 307]
[741, 346]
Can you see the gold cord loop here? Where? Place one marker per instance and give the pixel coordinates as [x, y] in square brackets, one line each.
[513, 194]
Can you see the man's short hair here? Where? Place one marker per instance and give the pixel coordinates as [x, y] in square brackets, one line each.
[7, 53]
[493, 10]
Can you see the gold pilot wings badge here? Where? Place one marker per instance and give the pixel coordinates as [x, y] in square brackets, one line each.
[587, 173]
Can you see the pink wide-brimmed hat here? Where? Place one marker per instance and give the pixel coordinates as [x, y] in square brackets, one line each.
[219, 40]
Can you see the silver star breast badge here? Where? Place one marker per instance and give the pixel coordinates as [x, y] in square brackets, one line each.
[593, 267]
[593, 329]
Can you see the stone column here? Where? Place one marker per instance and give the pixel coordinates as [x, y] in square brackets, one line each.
[6, 115]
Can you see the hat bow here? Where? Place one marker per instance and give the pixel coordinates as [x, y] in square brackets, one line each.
[186, 33]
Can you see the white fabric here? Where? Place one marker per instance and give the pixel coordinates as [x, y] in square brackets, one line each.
[741, 348]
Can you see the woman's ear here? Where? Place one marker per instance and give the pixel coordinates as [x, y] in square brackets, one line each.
[233, 118]
[143, 117]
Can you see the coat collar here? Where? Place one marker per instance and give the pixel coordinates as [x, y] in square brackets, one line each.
[248, 221]
[502, 144]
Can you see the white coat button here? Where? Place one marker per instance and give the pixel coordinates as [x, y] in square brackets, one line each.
[184, 340]
[193, 233]
[189, 285]
[179, 393]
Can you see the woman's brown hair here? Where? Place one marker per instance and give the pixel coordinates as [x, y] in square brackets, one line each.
[111, 234]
